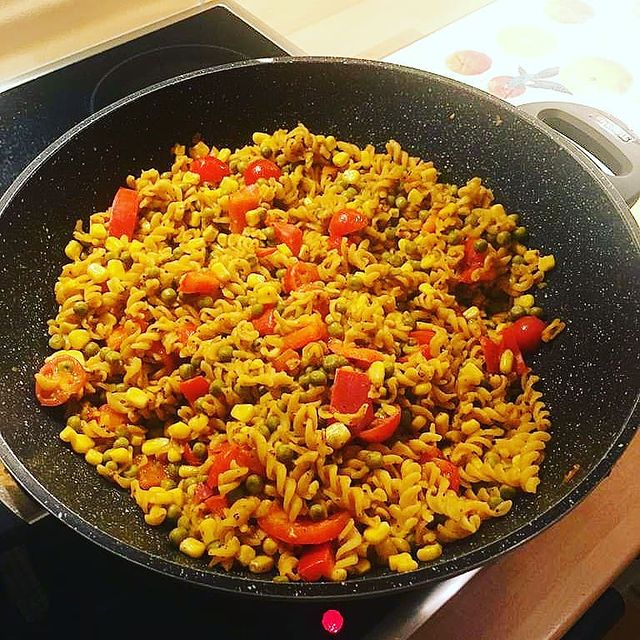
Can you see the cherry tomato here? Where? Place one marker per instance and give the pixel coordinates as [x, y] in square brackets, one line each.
[288, 234]
[210, 169]
[299, 273]
[346, 221]
[316, 563]
[302, 531]
[151, 474]
[261, 168]
[381, 429]
[527, 332]
[60, 379]
[124, 213]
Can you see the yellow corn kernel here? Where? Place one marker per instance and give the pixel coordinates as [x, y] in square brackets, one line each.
[259, 137]
[156, 515]
[375, 535]
[546, 263]
[136, 397]
[115, 269]
[340, 159]
[448, 210]
[284, 250]
[228, 185]
[422, 389]
[414, 196]
[98, 230]
[269, 546]
[526, 301]
[253, 217]
[113, 244]
[82, 443]
[362, 566]
[470, 374]
[121, 455]
[179, 430]
[428, 261]
[254, 279]
[376, 373]
[402, 562]
[220, 272]
[97, 272]
[337, 435]
[266, 293]
[93, 457]
[261, 564]
[199, 150]
[351, 176]
[193, 547]
[243, 412]
[68, 434]
[365, 159]
[506, 361]
[470, 426]
[224, 154]
[471, 313]
[73, 250]
[429, 552]
[246, 554]
[79, 338]
[154, 446]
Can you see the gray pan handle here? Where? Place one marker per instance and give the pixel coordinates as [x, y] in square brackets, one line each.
[17, 500]
[600, 135]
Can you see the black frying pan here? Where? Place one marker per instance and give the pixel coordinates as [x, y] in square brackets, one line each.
[589, 374]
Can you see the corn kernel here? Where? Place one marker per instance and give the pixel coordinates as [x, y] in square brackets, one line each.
[506, 361]
[179, 430]
[199, 150]
[376, 373]
[428, 261]
[402, 562]
[470, 426]
[224, 154]
[340, 159]
[136, 397]
[193, 547]
[97, 272]
[156, 515]
[253, 217]
[365, 159]
[284, 250]
[351, 176]
[254, 279]
[261, 564]
[546, 263]
[121, 455]
[375, 535]
[115, 269]
[98, 230]
[73, 250]
[220, 272]
[68, 434]
[174, 454]
[228, 185]
[79, 338]
[93, 457]
[414, 196]
[266, 293]
[82, 443]
[470, 374]
[246, 554]
[526, 301]
[243, 412]
[337, 435]
[429, 552]
[362, 566]
[269, 546]
[471, 313]
[154, 446]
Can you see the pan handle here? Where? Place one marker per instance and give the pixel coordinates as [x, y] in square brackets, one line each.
[17, 500]
[600, 135]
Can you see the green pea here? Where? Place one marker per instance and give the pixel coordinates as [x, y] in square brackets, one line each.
[514, 217]
[183, 521]
[495, 501]
[81, 308]
[264, 431]
[507, 492]
[503, 238]
[254, 484]
[56, 341]
[177, 535]
[454, 237]
[186, 371]
[355, 283]
[173, 512]
[304, 379]
[74, 422]
[480, 245]
[516, 311]
[284, 453]
[520, 233]
[112, 357]
[120, 441]
[168, 295]
[200, 450]
[538, 312]
[273, 422]
[330, 363]
[491, 238]
[216, 388]
[317, 512]
[401, 203]
[390, 233]
[269, 234]
[335, 330]
[517, 260]
[266, 150]
[391, 199]
[91, 349]
[256, 309]
[396, 260]
[225, 353]
[373, 459]
[318, 378]
[204, 302]
[235, 494]
[112, 465]
[196, 361]
[341, 305]
[167, 483]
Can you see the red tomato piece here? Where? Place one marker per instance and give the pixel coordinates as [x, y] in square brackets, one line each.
[318, 562]
[202, 492]
[363, 356]
[288, 360]
[472, 262]
[225, 454]
[288, 234]
[240, 202]
[491, 352]
[265, 323]
[110, 418]
[422, 336]
[201, 282]
[261, 168]
[189, 457]
[381, 429]
[302, 531]
[527, 332]
[450, 472]
[210, 169]
[184, 331]
[346, 221]
[299, 274]
[350, 390]
[216, 504]
[431, 453]
[124, 213]
[194, 388]
[151, 474]
[263, 252]
[301, 337]
[60, 379]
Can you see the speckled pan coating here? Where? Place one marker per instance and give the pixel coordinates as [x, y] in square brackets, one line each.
[589, 375]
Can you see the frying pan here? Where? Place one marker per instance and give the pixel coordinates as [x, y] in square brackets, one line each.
[589, 374]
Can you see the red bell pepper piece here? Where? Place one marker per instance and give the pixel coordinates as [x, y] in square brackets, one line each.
[381, 429]
[449, 471]
[298, 274]
[201, 282]
[473, 261]
[216, 504]
[263, 252]
[124, 213]
[184, 331]
[363, 356]
[318, 562]
[302, 531]
[422, 336]
[288, 360]
[265, 323]
[311, 333]
[189, 457]
[194, 388]
[349, 392]
[288, 234]
[240, 202]
[492, 354]
[210, 169]
[431, 453]
[225, 454]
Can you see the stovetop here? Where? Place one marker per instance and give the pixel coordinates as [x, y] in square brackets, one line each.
[53, 581]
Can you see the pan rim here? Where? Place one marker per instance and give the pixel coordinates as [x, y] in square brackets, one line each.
[368, 586]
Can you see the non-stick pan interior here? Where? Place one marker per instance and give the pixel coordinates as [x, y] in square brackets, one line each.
[589, 375]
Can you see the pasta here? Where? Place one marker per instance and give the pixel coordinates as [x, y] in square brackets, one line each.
[303, 346]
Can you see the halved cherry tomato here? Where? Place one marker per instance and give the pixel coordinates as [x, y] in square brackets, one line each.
[265, 323]
[298, 274]
[151, 474]
[527, 332]
[318, 562]
[491, 352]
[381, 429]
[189, 457]
[124, 213]
[472, 262]
[110, 418]
[216, 504]
[349, 392]
[240, 202]
[363, 356]
[194, 388]
[449, 471]
[301, 337]
[184, 331]
[202, 282]
[222, 457]
[509, 341]
[210, 169]
[288, 360]
[261, 168]
[346, 221]
[60, 379]
[431, 453]
[202, 492]
[288, 234]
[302, 531]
